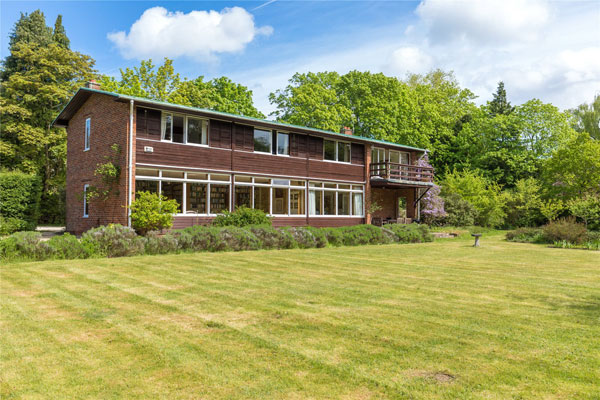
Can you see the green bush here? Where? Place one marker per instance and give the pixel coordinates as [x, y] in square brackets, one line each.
[564, 229]
[200, 238]
[24, 246]
[113, 240]
[363, 234]
[239, 239]
[19, 201]
[587, 209]
[68, 247]
[526, 235]
[302, 236]
[155, 243]
[524, 204]
[318, 235]
[411, 233]
[152, 212]
[242, 216]
[272, 238]
[459, 212]
[334, 236]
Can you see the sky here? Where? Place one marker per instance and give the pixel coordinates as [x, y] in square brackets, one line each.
[548, 50]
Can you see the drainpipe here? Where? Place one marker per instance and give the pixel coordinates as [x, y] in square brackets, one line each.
[130, 162]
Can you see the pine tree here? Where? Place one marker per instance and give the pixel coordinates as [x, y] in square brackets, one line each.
[500, 105]
[60, 36]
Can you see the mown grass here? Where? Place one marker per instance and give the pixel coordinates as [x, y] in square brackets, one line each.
[422, 321]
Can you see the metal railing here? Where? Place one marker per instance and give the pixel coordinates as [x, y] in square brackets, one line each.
[402, 172]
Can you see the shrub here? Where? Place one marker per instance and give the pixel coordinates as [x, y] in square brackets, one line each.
[318, 235]
[523, 204]
[19, 201]
[155, 243]
[242, 216]
[113, 240]
[200, 238]
[238, 239]
[587, 209]
[459, 212]
[68, 247]
[564, 229]
[363, 234]
[272, 238]
[526, 235]
[24, 245]
[334, 236]
[152, 212]
[303, 237]
[412, 233]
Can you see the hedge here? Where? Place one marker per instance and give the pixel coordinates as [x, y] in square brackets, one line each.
[19, 201]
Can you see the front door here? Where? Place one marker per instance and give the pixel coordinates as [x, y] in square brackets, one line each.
[401, 207]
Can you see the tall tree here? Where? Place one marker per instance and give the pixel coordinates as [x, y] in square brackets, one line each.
[500, 104]
[164, 84]
[59, 36]
[46, 76]
[586, 118]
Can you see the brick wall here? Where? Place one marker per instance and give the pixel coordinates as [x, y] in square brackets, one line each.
[387, 199]
[109, 125]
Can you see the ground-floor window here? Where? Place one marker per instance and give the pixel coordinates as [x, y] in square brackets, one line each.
[335, 199]
[273, 196]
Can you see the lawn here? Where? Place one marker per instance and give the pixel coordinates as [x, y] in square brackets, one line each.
[422, 321]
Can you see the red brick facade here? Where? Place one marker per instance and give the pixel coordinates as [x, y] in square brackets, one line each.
[109, 125]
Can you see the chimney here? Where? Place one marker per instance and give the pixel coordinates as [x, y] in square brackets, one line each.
[347, 130]
[92, 84]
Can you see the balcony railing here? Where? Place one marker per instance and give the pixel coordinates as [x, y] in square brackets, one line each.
[401, 172]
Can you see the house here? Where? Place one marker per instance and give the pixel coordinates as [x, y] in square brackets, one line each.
[212, 161]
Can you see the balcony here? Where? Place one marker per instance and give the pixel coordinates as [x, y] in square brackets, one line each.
[395, 174]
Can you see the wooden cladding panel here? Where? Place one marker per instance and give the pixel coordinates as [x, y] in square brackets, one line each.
[268, 164]
[220, 134]
[357, 153]
[315, 147]
[333, 170]
[182, 155]
[147, 123]
[243, 137]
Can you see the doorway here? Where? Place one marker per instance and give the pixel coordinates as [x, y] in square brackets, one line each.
[401, 213]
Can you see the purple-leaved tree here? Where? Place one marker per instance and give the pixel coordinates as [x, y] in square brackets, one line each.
[432, 204]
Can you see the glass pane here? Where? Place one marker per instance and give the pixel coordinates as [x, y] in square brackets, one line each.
[357, 205]
[146, 172]
[178, 128]
[329, 150]
[284, 182]
[356, 187]
[173, 190]
[343, 152]
[315, 202]
[315, 184]
[219, 198]
[146, 186]
[194, 175]
[343, 186]
[330, 185]
[167, 126]
[298, 183]
[404, 158]
[262, 198]
[283, 144]
[172, 174]
[329, 202]
[297, 202]
[239, 178]
[262, 141]
[221, 178]
[196, 198]
[196, 131]
[280, 201]
[343, 203]
[395, 156]
[243, 196]
[262, 180]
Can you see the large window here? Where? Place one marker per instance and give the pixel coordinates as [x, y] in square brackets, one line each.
[280, 201]
[399, 157]
[336, 151]
[88, 131]
[262, 199]
[377, 155]
[283, 144]
[197, 196]
[146, 186]
[183, 129]
[331, 199]
[243, 196]
[173, 191]
[219, 198]
[297, 201]
[262, 140]
[273, 196]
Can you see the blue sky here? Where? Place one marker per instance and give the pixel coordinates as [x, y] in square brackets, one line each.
[541, 49]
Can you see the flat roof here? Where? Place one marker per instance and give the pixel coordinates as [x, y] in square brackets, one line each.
[84, 93]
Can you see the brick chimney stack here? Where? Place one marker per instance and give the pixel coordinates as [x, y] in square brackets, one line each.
[92, 84]
[347, 130]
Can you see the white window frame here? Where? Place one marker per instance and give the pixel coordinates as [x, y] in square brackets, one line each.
[256, 128]
[337, 156]
[321, 192]
[272, 185]
[205, 123]
[163, 125]
[86, 211]
[277, 143]
[87, 134]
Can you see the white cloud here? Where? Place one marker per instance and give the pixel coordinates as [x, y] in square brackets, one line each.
[484, 21]
[198, 34]
[409, 59]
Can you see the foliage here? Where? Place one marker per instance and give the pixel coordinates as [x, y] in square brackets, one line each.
[459, 212]
[483, 195]
[24, 246]
[500, 104]
[362, 234]
[573, 170]
[586, 118]
[113, 240]
[164, 84]
[566, 229]
[200, 238]
[238, 239]
[552, 209]
[152, 211]
[410, 233]
[272, 238]
[68, 247]
[524, 203]
[242, 216]
[155, 243]
[39, 76]
[526, 235]
[586, 208]
[109, 174]
[19, 201]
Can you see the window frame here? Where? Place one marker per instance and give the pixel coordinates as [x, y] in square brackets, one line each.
[321, 187]
[277, 143]
[87, 135]
[270, 136]
[86, 206]
[337, 146]
[186, 117]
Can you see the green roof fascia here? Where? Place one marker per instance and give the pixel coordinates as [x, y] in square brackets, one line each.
[250, 119]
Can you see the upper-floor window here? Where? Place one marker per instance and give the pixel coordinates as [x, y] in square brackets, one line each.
[85, 201]
[283, 144]
[399, 157]
[262, 140]
[88, 129]
[184, 129]
[377, 155]
[334, 150]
